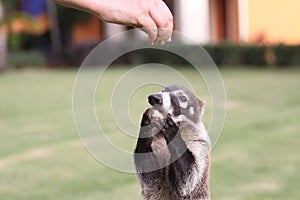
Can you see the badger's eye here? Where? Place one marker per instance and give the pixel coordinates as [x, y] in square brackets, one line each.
[183, 98]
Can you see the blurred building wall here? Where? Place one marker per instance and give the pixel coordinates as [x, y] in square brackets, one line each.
[275, 20]
[192, 19]
[224, 21]
[239, 21]
[210, 21]
[203, 21]
[89, 30]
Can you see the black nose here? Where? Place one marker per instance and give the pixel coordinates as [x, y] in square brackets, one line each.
[155, 99]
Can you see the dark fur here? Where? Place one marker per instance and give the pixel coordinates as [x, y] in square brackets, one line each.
[176, 165]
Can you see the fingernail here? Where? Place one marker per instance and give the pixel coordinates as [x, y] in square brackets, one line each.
[151, 42]
[162, 42]
[170, 39]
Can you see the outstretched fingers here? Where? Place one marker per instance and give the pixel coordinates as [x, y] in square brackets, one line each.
[158, 23]
[149, 27]
[163, 19]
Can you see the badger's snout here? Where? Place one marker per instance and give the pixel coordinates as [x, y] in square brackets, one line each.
[154, 99]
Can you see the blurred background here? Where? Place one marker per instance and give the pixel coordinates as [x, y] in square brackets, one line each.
[255, 44]
[233, 31]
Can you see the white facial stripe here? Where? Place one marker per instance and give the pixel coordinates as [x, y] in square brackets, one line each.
[177, 91]
[166, 100]
[192, 111]
[183, 105]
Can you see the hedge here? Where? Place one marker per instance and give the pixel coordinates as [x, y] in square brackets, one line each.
[276, 55]
[223, 55]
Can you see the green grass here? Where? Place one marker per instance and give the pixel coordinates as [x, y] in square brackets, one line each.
[41, 157]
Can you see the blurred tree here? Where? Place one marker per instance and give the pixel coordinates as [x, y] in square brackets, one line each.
[3, 49]
[54, 32]
[12, 25]
[25, 25]
[25, 22]
[67, 17]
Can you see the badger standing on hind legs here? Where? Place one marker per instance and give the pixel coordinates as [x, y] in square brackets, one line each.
[172, 155]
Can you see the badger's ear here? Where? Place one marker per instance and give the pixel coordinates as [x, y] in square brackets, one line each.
[201, 104]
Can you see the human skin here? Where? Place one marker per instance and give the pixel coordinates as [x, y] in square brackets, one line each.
[152, 16]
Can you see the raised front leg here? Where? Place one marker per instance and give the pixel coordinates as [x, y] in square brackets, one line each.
[149, 171]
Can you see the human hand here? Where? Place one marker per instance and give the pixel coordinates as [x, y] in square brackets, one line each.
[152, 16]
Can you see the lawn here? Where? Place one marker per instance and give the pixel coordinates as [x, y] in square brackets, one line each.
[41, 156]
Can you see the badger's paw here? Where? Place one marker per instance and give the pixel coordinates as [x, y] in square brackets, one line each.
[170, 129]
[153, 122]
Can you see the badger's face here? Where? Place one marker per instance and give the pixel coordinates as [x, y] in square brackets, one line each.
[180, 103]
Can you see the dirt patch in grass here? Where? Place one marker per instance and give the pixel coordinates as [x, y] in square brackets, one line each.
[261, 186]
[24, 156]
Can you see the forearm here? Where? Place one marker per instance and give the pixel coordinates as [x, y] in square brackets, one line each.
[114, 11]
[153, 17]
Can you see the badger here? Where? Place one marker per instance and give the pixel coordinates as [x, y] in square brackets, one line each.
[172, 155]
